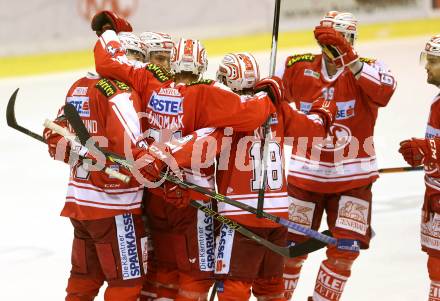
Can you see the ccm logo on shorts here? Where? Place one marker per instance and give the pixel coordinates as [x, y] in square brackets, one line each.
[130, 266]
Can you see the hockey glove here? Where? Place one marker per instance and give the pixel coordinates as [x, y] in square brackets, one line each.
[420, 151]
[58, 147]
[274, 88]
[106, 19]
[176, 195]
[326, 109]
[335, 46]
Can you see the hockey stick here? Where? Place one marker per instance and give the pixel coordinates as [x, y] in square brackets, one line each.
[400, 169]
[12, 122]
[83, 135]
[290, 251]
[266, 125]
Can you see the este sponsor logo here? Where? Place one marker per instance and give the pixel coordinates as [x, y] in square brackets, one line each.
[345, 109]
[166, 104]
[130, 266]
[81, 104]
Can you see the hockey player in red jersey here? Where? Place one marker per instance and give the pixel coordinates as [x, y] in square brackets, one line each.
[158, 47]
[336, 174]
[426, 151]
[238, 178]
[105, 213]
[206, 104]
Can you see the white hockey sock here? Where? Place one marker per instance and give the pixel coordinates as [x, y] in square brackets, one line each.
[329, 285]
[290, 283]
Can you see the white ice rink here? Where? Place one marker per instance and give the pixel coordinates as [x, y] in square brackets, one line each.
[35, 241]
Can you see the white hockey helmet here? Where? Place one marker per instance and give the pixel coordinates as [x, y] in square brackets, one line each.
[189, 55]
[432, 48]
[344, 22]
[131, 42]
[238, 71]
[156, 41]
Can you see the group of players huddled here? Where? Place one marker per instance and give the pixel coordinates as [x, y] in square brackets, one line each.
[150, 103]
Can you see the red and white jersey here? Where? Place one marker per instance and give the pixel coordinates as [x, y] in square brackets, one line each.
[238, 175]
[346, 158]
[176, 110]
[432, 172]
[108, 109]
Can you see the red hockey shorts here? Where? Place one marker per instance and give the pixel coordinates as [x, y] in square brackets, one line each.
[348, 213]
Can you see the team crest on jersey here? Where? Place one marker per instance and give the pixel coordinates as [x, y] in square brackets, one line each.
[308, 57]
[311, 73]
[80, 91]
[339, 137]
[81, 104]
[106, 87]
[345, 109]
[166, 104]
[301, 212]
[353, 214]
[430, 232]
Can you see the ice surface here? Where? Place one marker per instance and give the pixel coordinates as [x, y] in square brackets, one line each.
[35, 242]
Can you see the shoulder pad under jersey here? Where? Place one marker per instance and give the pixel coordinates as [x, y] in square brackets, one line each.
[201, 82]
[307, 57]
[158, 72]
[106, 87]
[367, 60]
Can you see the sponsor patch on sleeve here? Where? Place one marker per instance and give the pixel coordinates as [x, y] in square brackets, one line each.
[106, 87]
[308, 57]
[159, 73]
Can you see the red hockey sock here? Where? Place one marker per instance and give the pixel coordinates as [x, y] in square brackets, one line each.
[291, 277]
[79, 289]
[193, 289]
[329, 283]
[234, 290]
[122, 293]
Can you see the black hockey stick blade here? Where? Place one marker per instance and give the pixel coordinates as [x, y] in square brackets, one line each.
[12, 122]
[76, 122]
[309, 246]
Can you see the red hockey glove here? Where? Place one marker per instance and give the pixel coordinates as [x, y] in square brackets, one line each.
[58, 147]
[149, 164]
[326, 109]
[176, 195]
[335, 46]
[274, 88]
[420, 151]
[106, 19]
